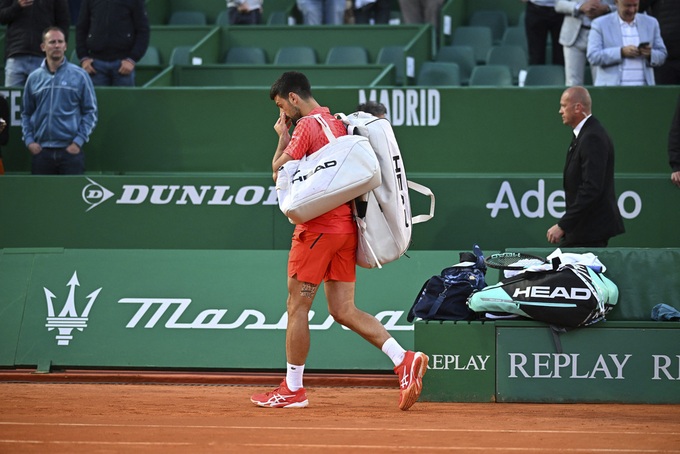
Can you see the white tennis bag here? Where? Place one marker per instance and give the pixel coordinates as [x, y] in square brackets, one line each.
[340, 171]
[383, 214]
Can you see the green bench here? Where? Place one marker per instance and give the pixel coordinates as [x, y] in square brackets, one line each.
[628, 358]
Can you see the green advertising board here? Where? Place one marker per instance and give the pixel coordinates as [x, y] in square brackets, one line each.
[240, 211]
[462, 361]
[597, 364]
[185, 309]
[518, 361]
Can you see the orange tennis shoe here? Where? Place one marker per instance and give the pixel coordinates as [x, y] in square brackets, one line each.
[411, 371]
[281, 397]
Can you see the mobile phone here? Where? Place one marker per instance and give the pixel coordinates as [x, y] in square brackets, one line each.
[641, 45]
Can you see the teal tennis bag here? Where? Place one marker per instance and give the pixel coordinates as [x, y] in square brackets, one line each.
[567, 297]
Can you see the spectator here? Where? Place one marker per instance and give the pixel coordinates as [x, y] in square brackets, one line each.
[26, 20]
[674, 146]
[377, 11]
[667, 12]
[244, 12]
[421, 12]
[324, 250]
[374, 108]
[625, 46]
[111, 37]
[4, 130]
[541, 20]
[592, 215]
[74, 8]
[59, 111]
[578, 16]
[318, 12]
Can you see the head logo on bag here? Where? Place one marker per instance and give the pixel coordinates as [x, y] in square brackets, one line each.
[383, 214]
[545, 291]
[322, 166]
[569, 296]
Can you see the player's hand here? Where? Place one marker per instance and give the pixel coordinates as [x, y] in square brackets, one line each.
[282, 125]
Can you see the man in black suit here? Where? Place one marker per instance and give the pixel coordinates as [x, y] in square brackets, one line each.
[674, 146]
[592, 215]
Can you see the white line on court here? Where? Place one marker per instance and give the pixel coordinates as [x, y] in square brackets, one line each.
[71, 442]
[453, 448]
[341, 429]
[345, 447]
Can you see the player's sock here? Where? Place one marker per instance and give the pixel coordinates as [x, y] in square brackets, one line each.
[395, 351]
[294, 376]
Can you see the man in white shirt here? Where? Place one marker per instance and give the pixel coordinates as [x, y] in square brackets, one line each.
[625, 46]
[578, 16]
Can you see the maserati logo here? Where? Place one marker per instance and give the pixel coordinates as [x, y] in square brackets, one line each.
[68, 319]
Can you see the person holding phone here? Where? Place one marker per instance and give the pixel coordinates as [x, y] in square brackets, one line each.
[625, 46]
[578, 15]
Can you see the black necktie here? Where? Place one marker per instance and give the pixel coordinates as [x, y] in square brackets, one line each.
[572, 145]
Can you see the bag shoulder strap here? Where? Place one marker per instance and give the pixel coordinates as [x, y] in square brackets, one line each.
[424, 190]
[326, 129]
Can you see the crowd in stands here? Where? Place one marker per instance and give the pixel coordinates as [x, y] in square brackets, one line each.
[620, 42]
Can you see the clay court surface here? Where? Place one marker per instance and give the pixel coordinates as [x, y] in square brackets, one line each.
[210, 417]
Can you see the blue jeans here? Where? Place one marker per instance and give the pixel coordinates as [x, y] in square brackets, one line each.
[108, 75]
[318, 12]
[19, 67]
[58, 161]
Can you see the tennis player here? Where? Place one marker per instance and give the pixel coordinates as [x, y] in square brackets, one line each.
[324, 250]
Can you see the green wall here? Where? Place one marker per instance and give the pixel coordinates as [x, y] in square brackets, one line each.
[452, 130]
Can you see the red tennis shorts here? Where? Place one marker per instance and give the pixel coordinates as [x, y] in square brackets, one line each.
[315, 257]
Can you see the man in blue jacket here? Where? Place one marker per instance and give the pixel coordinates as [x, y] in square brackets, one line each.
[111, 37]
[59, 111]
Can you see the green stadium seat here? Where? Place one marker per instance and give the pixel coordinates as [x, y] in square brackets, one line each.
[151, 57]
[545, 75]
[496, 20]
[180, 55]
[295, 55]
[222, 18]
[277, 18]
[188, 18]
[347, 55]
[491, 76]
[464, 56]
[515, 36]
[246, 55]
[514, 57]
[74, 58]
[439, 74]
[479, 38]
[397, 56]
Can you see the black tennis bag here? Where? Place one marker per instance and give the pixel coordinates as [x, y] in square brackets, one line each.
[568, 297]
[444, 296]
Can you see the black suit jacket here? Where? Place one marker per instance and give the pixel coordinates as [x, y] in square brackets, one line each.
[592, 213]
